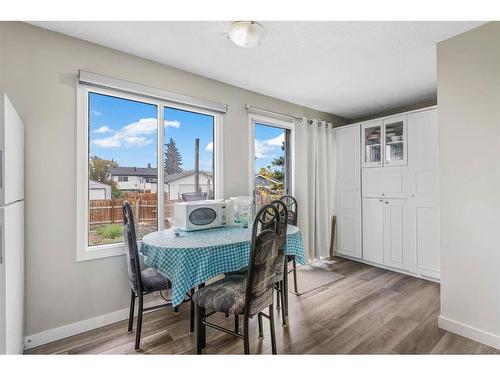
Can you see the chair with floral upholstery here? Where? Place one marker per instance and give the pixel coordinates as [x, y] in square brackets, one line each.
[250, 294]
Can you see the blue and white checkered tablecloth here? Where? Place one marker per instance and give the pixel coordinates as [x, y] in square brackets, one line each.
[195, 257]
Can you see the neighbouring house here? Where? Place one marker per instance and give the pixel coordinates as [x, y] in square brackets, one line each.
[262, 181]
[98, 190]
[145, 180]
[134, 178]
[183, 182]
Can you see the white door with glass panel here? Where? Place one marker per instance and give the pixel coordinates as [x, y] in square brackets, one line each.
[272, 162]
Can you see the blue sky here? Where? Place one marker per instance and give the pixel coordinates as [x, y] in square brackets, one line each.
[268, 141]
[126, 131]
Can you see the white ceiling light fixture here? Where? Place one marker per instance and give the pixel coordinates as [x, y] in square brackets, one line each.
[246, 34]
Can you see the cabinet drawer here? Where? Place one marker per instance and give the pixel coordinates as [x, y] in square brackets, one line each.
[389, 182]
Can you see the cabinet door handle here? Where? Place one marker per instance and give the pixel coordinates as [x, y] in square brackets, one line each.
[380, 200]
[386, 202]
[383, 194]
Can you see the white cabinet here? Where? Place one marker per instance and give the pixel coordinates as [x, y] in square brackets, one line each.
[385, 232]
[385, 182]
[423, 204]
[395, 141]
[348, 192]
[373, 230]
[395, 233]
[384, 142]
[398, 160]
[372, 144]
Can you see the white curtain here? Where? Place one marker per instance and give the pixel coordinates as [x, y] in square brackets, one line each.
[314, 184]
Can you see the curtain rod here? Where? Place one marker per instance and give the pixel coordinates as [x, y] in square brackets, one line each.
[299, 119]
[250, 108]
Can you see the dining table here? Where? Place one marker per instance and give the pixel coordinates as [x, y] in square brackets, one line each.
[191, 258]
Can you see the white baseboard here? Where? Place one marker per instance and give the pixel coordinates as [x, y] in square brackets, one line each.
[378, 265]
[51, 335]
[472, 333]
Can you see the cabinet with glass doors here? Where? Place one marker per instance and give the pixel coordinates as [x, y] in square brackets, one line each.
[384, 142]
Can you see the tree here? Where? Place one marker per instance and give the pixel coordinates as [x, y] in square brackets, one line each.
[99, 168]
[278, 168]
[149, 165]
[99, 171]
[173, 158]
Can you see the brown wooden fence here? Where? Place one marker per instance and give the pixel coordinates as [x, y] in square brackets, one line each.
[109, 211]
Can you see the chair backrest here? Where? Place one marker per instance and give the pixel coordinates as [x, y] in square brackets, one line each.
[264, 257]
[293, 208]
[282, 232]
[131, 251]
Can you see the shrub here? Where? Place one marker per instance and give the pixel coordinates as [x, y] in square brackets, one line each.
[110, 231]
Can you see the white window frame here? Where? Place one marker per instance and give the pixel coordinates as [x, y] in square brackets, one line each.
[265, 120]
[85, 252]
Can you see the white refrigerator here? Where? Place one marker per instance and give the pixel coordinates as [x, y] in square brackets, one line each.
[11, 229]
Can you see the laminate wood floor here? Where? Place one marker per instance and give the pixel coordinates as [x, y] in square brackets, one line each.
[370, 311]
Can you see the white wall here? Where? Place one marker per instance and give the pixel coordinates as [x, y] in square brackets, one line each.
[38, 70]
[469, 150]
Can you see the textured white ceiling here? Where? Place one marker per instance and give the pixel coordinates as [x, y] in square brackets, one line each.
[347, 68]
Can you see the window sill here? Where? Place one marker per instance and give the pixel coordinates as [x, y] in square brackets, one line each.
[100, 251]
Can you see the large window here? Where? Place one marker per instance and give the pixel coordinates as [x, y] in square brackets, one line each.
[123, 147]
[122, 150]
[189, 158]
[272, 161]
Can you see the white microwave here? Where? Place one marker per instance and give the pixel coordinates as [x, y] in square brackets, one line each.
[198, 215]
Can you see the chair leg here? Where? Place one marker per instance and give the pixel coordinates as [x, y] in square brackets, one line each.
[295, 276]
[261, 333]
[246, 338]
[282, 297]
[226, 315]
[278, 295]
[237, 323]
[131, 314]
[284, 293]
[273, 333]
[176, 309]
[191, 313]
[139, 323]
[200, 330]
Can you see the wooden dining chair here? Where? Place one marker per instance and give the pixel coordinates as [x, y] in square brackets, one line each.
[293, 212]
[248, 295]
[142, 282]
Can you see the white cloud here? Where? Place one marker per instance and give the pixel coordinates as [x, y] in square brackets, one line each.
[172, 124]
[276, 141]
[144, 126]
[131, 136]
[103, 129]
[209, 147]
[263, 148]
[96, 113]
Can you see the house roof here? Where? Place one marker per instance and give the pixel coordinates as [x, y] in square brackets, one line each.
[132, 171]
[268, 179]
